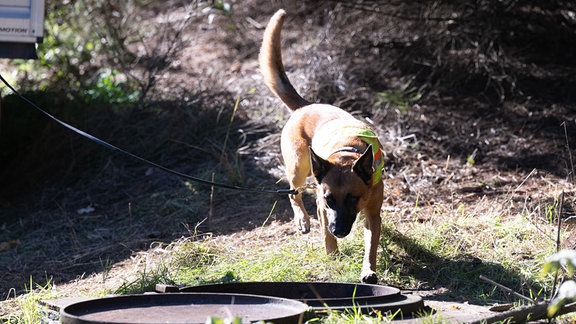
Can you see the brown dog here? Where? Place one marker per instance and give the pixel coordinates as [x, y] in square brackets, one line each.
[342, 153]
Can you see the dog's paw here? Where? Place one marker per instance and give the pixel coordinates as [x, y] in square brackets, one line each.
[369, 277]
[305, 228]
[303, 225]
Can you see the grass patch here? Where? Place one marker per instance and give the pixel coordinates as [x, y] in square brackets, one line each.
[27, 306]
[455, 247]
[291, 260]
[355, 316]
[424, 247]
[451, 249]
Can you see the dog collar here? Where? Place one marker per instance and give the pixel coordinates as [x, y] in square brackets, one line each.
[347, 149]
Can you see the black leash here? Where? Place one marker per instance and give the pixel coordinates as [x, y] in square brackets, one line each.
[143, 160]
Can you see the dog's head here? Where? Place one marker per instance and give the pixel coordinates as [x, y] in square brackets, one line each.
[343, 187]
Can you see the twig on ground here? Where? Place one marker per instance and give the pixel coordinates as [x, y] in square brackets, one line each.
[525, 179]
[508, 289]
[211, 210]
[559, 216]
[570, 174]
[535, 312]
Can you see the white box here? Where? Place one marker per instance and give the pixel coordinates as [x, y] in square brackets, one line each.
[21, 21]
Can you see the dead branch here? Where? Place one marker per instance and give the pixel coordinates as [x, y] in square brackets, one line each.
[528, 313]
[532, 301]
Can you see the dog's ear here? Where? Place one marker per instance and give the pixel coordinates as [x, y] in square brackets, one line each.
[319, 166]
[363, 166]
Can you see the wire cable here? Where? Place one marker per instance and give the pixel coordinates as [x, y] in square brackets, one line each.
[138, 158]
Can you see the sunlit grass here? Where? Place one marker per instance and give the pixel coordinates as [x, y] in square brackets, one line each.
[450, 248]
[291, 260]
[29, 311]
[455, 247]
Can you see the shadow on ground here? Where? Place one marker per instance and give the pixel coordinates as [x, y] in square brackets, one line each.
[460, 276]
[70, 207]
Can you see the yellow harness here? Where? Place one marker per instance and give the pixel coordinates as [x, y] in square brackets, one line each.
[367, 136]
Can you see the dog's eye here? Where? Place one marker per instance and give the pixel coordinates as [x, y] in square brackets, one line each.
[351, 199]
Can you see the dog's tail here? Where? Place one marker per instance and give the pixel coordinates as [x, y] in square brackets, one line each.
[271, 65]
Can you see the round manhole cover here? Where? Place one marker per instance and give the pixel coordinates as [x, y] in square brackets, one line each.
[183, 308]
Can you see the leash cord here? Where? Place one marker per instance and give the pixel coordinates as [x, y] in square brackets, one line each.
[138, 158]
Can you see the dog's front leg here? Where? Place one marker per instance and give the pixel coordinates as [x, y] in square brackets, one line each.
[330, 241]
[301, 217]
[372, 230]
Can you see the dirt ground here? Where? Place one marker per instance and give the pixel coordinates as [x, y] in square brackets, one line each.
[442, 149]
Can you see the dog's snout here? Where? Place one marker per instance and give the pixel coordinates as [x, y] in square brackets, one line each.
[340, 235]
[337, 231]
